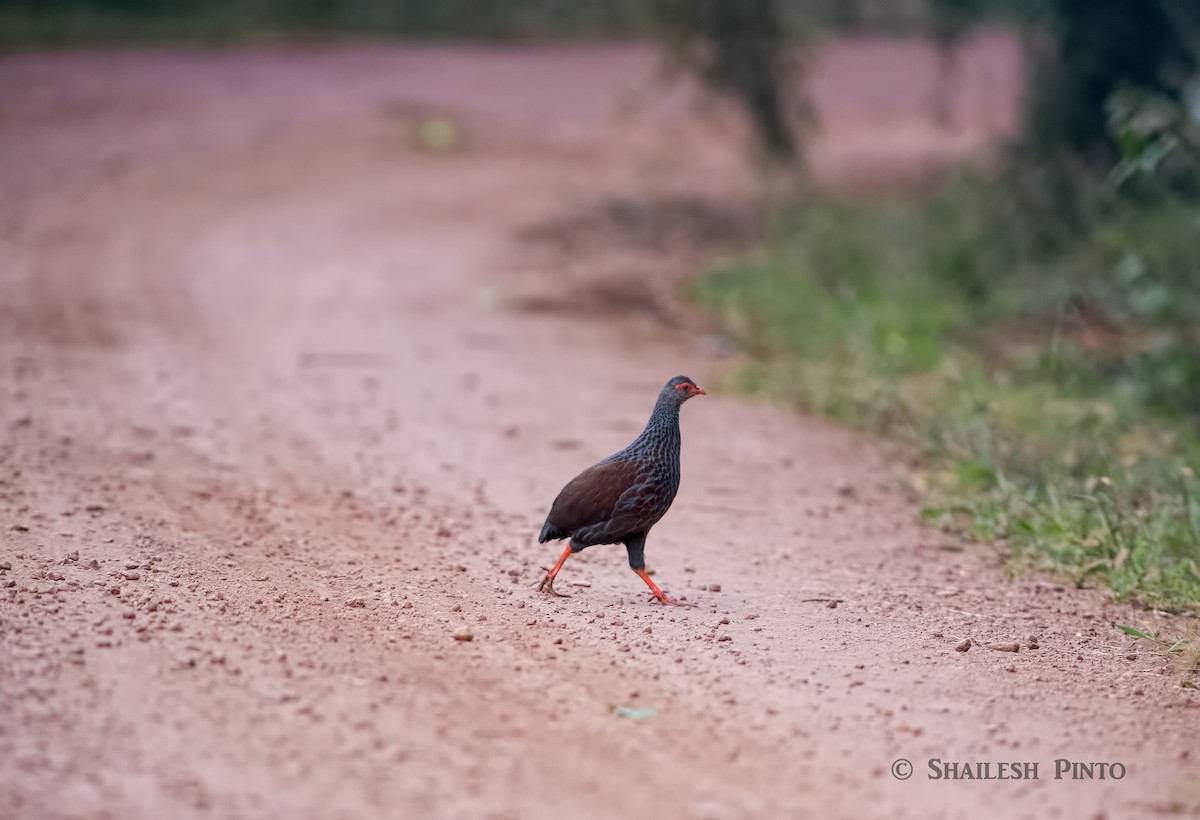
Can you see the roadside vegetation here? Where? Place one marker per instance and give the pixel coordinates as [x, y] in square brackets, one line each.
[1030, 334]
[1050, 403]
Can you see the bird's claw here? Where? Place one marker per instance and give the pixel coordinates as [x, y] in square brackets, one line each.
[547, 585]
[667, 600]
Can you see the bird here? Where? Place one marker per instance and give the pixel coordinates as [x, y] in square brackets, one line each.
[618, 500]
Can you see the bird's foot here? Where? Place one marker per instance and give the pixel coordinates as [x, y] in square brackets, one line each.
[547, 585]
[666, 600]
[658, 595]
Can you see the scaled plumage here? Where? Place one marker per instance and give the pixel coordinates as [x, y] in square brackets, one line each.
[619, 499]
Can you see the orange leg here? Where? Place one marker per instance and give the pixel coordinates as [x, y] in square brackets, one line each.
[547, 583]
[658, 593]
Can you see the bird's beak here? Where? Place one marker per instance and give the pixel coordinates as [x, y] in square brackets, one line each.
[699, 392]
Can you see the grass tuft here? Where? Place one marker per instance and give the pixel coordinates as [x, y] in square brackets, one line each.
[1183, 652]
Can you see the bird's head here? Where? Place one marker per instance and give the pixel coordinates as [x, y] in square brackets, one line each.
[680, 389]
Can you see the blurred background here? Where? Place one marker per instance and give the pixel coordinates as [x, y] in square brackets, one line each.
[970, 225]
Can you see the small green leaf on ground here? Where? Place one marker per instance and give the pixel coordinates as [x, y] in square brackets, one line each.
[634, 714]
[437, 135]
[1129, 630]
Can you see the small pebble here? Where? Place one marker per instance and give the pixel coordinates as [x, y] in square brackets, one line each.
[463, 634]
[964, 646]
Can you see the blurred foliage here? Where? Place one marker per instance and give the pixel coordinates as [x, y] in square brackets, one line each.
[738, 47]
[38, 23]
[1154, 132]
[25, 23]
[1094, 48]
[1033, 335]
[1112, 83]
[1058, 415]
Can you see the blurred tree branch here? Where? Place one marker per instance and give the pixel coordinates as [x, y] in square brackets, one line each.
[951, 20]
[737, 47]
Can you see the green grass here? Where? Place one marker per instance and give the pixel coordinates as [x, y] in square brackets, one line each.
[1182, 651]
[1049, 400]
[56, 23]
[50, 23]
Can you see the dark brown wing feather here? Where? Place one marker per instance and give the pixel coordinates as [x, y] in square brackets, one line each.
[592, 496]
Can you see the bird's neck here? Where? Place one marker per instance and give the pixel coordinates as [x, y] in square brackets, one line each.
[664, 420]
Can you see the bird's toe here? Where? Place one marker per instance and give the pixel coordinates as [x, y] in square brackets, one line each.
[547, 585]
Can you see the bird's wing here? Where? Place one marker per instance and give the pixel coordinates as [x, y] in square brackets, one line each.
[606, 490]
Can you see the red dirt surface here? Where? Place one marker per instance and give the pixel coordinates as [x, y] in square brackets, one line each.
[272, 440]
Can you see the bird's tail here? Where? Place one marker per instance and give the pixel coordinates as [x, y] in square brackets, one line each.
[550, 533]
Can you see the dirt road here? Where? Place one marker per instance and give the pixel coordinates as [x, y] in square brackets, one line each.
[272, 435]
